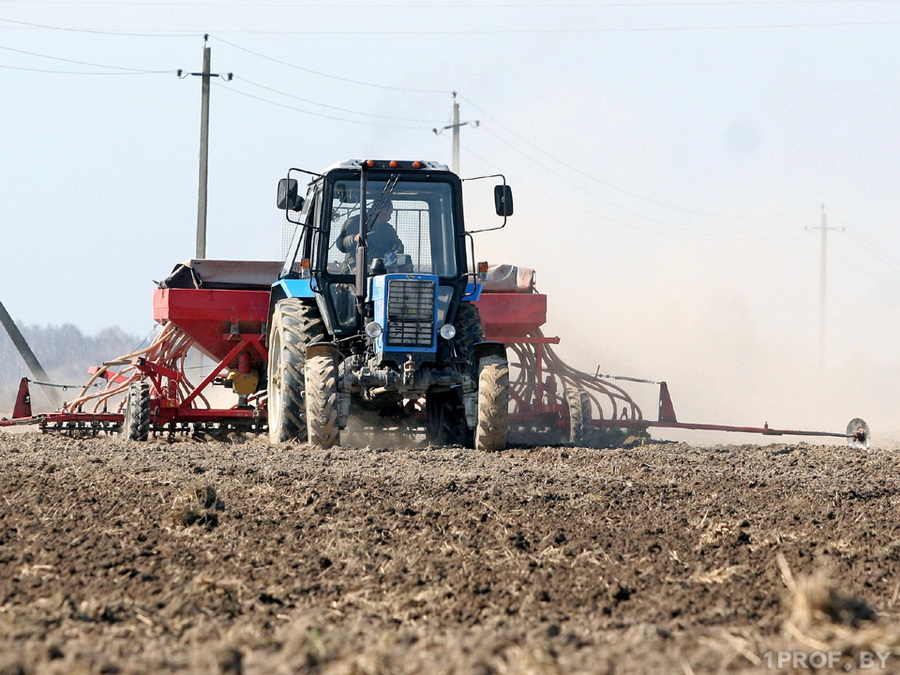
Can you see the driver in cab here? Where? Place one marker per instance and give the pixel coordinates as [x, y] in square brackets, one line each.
[381, 238]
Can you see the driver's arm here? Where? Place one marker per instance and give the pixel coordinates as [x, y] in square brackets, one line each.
[346, 241]
[397, 245]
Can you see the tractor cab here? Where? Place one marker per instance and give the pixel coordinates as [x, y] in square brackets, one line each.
[412, 224]
[360, 222]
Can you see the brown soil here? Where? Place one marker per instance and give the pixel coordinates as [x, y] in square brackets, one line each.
[217, 557]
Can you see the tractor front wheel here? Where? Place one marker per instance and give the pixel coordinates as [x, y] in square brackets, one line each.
[492, 429]
[322, 401]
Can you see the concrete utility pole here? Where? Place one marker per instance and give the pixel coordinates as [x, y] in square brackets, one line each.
[204, 152]
[204, 142]
[823, 272]
[37, 370]
[455, 127]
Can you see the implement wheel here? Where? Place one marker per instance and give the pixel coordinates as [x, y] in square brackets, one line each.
[445, 419]
[578, 406]
[294, 325]
[136, 424]
[321, 401]
[492, 428]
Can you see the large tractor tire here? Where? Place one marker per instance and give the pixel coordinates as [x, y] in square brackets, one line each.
[136, 424]
[492, 429]
[578, 407]
[293, 326]
[445, 419]
[322, 401]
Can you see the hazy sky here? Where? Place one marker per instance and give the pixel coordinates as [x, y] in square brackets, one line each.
[669, 160]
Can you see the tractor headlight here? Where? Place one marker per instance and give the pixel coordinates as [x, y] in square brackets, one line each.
[448, 330]
[373, 329]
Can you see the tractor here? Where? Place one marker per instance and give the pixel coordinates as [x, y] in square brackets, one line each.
[374, 313]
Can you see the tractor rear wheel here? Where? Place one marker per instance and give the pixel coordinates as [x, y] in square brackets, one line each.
[321, 401]
[492, 429]
[578, 406]
[136, 424]
[294, 325]
[445, 419]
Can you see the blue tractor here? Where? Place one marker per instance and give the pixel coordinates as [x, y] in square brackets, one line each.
[373, 313]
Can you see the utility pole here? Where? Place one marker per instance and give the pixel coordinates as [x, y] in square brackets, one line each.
[25, 352]
[455, 127]
[206, 75]
[823, 272]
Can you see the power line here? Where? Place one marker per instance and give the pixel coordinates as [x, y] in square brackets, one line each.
[643, 216]
[98, 31]
[501, 31]
[82, 63]
[327, 75]
[314, 114]
[557, 198]
[469, 5]
[332, 107]
[560, 31]
[614, 187]
[586, 211]
[486, 31]
[876, 252]
[567, 180]
[76, 72]
[685, 233]
[858, 267]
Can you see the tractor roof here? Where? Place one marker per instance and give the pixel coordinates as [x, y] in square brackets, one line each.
[387, 164]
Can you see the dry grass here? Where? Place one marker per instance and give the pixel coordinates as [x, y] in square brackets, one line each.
[198, 505]
[824, 617]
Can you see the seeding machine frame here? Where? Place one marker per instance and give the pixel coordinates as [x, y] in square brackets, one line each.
[550, 401]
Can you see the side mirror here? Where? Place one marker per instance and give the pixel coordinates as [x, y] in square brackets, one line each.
[503, 200]
[289, 198]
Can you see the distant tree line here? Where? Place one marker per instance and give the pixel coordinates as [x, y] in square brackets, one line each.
[65, 353]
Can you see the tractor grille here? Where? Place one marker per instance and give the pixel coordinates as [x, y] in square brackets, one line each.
[410, 313]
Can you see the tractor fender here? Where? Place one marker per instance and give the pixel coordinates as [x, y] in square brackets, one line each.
[488, 348]
[472, 292]
[295, 288]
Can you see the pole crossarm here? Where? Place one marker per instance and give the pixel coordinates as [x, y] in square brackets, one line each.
[226, 76]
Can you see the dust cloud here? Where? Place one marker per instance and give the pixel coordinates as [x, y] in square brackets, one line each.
[732, 327]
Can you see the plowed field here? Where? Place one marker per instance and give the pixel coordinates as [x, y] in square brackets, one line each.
[214, 557]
